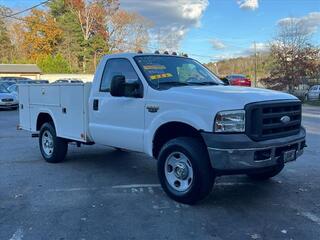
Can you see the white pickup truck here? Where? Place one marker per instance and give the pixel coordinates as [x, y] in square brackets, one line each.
[173, 109]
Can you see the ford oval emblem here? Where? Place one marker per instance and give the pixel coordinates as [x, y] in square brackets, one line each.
[285, 119]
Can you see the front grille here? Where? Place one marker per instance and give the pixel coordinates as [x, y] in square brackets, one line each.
[263, 119]
[7, 99]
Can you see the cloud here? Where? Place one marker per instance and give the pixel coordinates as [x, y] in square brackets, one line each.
[171, 19]
[248, 4]
[260, 47]
[310, 22]
[217, 44]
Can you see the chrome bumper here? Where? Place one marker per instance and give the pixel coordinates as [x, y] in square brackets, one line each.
[265, 154]
[11, 105]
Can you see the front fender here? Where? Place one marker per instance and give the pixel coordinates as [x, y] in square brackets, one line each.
[181, 116]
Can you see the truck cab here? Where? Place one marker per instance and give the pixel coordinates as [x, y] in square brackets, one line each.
[173, 109]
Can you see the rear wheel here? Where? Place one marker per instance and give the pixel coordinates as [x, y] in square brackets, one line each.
[53, 148]
[184, 170]
[267, 174]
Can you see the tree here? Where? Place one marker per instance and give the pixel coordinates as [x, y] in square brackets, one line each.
[41, 35]
[70, 46]
[294, 57]
[53, 64]
[127, 31]
[91, 16]
[5, 42]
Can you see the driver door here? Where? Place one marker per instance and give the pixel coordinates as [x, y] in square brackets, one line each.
[118, 121]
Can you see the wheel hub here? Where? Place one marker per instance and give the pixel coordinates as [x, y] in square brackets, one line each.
[47, 143]
[181, 171]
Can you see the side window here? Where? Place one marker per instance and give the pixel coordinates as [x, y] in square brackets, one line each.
[115, 67]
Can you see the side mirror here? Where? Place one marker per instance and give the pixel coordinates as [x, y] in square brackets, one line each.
[117, 86]
[225, 81]
[120, 88]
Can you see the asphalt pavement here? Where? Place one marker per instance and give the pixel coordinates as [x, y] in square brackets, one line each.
[100, 193]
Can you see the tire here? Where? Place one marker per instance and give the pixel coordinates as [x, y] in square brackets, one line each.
[187, 158]
[267, 174]
[56, 149]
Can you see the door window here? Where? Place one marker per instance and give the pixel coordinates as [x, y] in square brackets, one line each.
[115, 67]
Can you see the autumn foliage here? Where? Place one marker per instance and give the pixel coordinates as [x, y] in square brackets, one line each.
[40, 35]
[72, 35]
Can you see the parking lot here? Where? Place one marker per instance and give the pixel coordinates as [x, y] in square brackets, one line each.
[101, 193]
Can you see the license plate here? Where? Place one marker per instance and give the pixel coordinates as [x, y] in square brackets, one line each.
[289, 156]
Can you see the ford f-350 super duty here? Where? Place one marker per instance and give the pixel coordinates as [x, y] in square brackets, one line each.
[173, 109]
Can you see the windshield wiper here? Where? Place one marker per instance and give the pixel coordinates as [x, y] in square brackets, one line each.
[174, 83]
[202, 83]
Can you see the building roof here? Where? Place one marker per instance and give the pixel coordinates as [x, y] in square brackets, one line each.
[19, 68]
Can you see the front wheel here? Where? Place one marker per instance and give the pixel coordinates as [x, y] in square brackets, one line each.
[53, 148]
[184, 170]
[267, 174]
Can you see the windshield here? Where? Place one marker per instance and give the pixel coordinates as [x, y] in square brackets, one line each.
[163, 72]
[3, 89]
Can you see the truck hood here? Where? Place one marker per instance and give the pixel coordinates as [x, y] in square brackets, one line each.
[235, 96]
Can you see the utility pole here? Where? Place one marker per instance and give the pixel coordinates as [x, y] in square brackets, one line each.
[255, 64]
[158, 39]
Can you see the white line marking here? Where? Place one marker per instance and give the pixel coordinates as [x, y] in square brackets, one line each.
[18, 235]
[137, 186]
[311, 217]
[71, 189]
[158, 185]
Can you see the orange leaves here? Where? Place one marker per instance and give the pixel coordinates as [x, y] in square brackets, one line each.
[41, 34]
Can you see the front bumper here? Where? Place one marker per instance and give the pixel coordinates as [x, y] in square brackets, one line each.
[8, 105]
[237, 152]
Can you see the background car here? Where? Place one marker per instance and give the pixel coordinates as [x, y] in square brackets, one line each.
[7, 84]
[68, 80]
[33, 82]
[14, 89]
[14, 79]
[313, 93]
[7, 99]
[237, 80]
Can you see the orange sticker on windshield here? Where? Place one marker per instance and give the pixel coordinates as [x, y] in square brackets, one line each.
[158, 76]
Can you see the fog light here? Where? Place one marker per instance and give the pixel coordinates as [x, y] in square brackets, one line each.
[262, 155]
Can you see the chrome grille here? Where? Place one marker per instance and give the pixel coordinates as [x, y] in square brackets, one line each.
[7, 99]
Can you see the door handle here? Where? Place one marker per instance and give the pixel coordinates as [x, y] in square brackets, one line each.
[153, 108]
[95, 104]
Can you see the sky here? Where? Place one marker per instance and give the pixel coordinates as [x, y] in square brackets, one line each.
[211, 30]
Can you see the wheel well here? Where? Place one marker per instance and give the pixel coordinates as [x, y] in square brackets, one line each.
[170, 131]
[44, 118]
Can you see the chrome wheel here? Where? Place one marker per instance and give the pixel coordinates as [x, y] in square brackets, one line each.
[179, 172]
[47, 143]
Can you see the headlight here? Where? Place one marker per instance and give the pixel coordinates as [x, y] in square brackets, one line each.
[230, 121]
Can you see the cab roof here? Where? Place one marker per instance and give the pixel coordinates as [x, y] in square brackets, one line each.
[132, 55]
